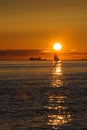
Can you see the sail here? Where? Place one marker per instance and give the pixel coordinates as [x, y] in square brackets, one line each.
[56, 57]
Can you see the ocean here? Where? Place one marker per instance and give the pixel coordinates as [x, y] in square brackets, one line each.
[36, 95]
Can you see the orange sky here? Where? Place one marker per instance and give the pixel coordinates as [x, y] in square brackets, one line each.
[33, 24]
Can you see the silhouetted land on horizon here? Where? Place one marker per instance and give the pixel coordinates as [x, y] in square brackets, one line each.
[26, 54]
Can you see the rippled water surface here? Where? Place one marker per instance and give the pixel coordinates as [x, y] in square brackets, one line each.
[36, 95]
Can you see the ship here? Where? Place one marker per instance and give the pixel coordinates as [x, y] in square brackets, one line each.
[37, 59]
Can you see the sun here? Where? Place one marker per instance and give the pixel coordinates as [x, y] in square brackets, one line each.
[57, 46]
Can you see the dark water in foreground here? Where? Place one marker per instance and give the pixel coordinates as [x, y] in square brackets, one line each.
[34, 95]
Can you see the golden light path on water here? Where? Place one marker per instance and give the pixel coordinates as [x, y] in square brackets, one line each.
[57, 72]
[57, 102]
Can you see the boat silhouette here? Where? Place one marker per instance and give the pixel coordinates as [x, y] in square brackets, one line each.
[37, 59]
[56, 59]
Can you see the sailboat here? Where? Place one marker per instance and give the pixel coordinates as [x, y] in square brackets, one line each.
[56, 59]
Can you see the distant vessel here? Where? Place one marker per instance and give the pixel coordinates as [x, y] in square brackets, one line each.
[37, 59]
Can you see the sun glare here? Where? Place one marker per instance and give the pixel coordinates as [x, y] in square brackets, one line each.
[57, 46]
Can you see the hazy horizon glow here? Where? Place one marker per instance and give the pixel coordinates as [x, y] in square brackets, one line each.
[48, 54]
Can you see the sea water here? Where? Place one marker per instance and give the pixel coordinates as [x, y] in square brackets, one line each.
[38, 95]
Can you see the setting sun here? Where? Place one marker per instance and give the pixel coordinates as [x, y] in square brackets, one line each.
[57, 46]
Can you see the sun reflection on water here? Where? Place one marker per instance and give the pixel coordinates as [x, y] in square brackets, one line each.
[59, 114]
[57, 69]
[56, 120]
[57, 74]
[58, 110]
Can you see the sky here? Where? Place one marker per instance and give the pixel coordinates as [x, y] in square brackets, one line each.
[37, 24]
